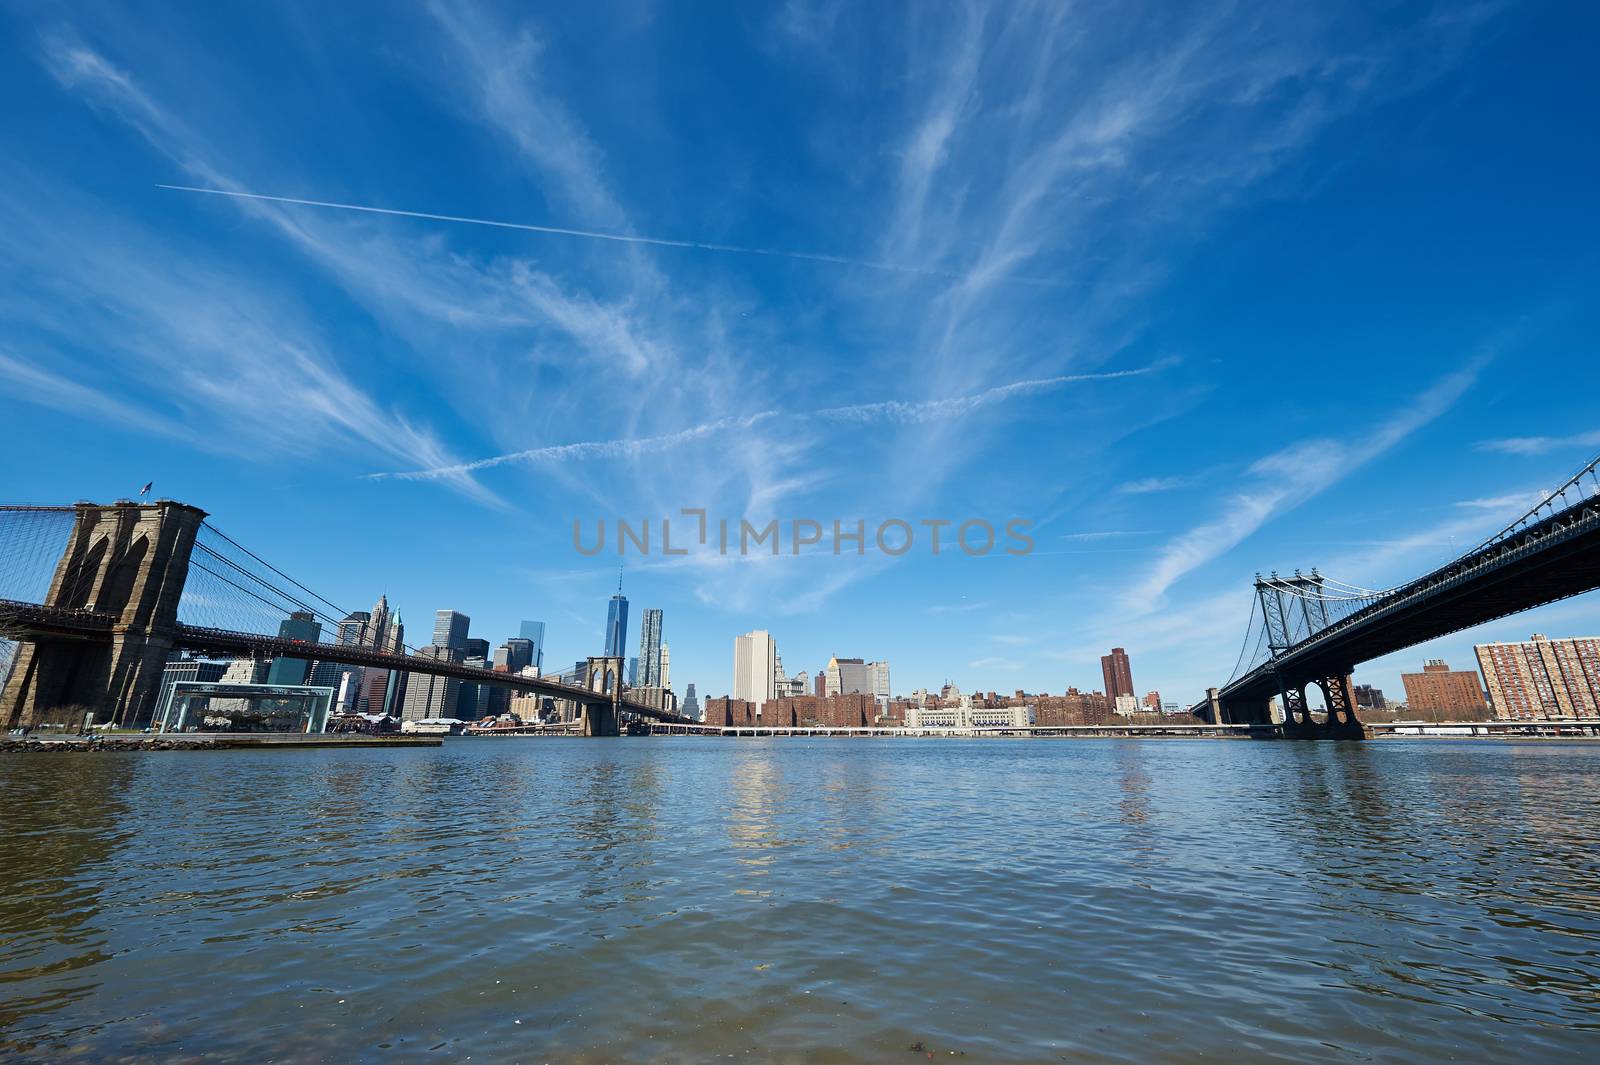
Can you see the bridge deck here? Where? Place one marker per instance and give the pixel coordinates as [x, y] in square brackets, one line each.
[1554, 559]
[33, 621]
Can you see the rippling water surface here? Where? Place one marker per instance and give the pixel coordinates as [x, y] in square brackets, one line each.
[804, 900]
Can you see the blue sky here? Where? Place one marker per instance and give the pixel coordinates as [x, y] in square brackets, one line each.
[1196, 290]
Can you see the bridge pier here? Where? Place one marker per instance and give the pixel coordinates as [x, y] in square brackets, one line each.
[1340, 723]
[128, 561]
[604, 718]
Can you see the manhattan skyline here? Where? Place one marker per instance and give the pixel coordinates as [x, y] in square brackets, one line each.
[1277, 290]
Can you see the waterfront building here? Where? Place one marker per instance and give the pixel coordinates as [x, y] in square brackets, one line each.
[819, 683]
[691, 705]
[302, 626]
[657, 697]
[533, 631]
[729, 712]
[1542, 677]
[650, 649]
[1118, 672]
[1438, 689]
[450, 629]
[755, 664]
[181, 667]
[1072, 708]
[617, 624]
[967, 714]
[1152, 702]
[1126, 705]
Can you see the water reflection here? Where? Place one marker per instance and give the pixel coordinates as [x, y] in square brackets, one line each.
[65, 818]
[807, 900]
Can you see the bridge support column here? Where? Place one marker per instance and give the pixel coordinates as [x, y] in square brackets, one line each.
[1341, 723]
[604, 717]
[129, 561]
[1339, 694]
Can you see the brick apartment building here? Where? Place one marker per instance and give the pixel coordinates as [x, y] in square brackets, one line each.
[1438, 689]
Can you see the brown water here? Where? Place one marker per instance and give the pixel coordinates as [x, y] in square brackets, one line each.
[805, 900]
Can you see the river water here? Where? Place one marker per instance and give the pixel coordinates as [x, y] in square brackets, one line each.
[805, 900]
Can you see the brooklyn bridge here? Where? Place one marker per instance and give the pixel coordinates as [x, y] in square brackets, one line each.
[97, 597]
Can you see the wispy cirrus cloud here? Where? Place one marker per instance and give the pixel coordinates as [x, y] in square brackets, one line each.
[1150, 485]
[1540, 445]
[34, 384]
[1502, 502]
[1002, 665]
[1285, 479]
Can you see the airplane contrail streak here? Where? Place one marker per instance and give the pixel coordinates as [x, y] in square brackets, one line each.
[590, 234]
[892, 411]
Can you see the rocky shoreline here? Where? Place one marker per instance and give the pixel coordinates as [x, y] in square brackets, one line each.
[216, 741]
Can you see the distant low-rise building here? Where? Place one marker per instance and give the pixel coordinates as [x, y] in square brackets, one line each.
[1370, 698]
[966, 714]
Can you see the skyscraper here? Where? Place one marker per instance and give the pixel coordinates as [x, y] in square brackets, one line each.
[691, 705]
[303, 626]
[617, 625]
[879, 672]
[666, 667]
[428, 695]
[755, 663]
[345, 680]
[850, 675]
[534, 632]
[650, 649]
[450, 629]
[1118, 672]
[515, 654]
[380, 688]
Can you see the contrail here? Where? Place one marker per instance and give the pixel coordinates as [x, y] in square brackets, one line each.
[621, 238]
[894, 411]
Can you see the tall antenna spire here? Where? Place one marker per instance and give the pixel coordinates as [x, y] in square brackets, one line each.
[619, 580]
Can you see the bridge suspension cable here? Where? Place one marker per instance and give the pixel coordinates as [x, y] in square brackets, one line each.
[1580, 487]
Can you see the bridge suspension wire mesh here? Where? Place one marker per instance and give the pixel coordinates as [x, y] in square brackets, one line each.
[233, 589]
[229, 589]
[32, 540]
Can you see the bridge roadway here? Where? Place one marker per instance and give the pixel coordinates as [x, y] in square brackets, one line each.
[1553, 559]
[32, 620]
